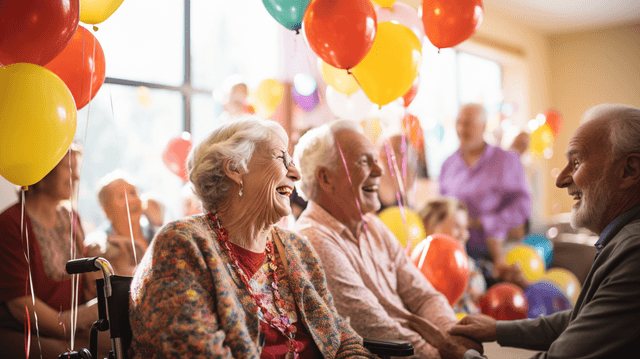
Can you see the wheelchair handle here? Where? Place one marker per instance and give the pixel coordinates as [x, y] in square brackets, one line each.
[94, 264]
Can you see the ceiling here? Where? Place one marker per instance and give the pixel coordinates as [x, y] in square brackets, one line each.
[561, 16]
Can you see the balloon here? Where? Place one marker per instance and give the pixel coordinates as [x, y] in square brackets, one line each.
[542, 245]
[505, 301]
[304, 84]
[403, 14]
[81, 66]
[340, 32]
[288, 13]
[529, 261]
[459, 316]
[444, 262]
[339, 79]
[545, 298]
[448, 23]
[175, 155]
[355, 107]
[411, 94]
[37, 122]
[96, 11]
[392, 217]
[35, 31]
[413, 129]
[554, 120]
[541, 138]
[269, 96]
[307, 103]
[384, 3]
[389, 69]
[566, 281]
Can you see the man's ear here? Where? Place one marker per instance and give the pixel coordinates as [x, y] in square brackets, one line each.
[232, 173]
[631, 171]
[325, 179]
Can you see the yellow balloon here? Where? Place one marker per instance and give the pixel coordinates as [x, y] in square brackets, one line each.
[412, 229]
[339, 79]
[529, 261]
[566, 281]
[269, 95]
[37, 122]
[459, 316]
[391, 66]
[384, 3]
[541, 139]
[96, 11]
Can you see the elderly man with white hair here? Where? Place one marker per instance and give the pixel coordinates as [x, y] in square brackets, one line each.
[370, 276]
[603, 177]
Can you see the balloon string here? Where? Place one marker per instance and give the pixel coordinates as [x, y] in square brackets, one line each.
[72, 255]
[27, 334]
[395, 172]
[27, 256]
[133, 243]
[344, 162]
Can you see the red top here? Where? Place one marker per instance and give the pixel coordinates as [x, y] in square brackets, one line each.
[14, 271]
[275, 343]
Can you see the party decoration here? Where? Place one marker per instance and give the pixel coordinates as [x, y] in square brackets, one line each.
[389, 69]
[269, 95]
[339, 79]
[35, 31]
[355, 107]
[288, 13]
[411, 94]
[438, 132]
[545, 298]
[407, 228]
[81, 66]
[372, 129]
[412, 128]
[340, 32]
[459, 316]
[384, 3]
[448, 23]
[307, 103]
[554, 120]
[565, 280]
[403, 14]
[542, 246]
[304, 84]
[175, 155]
[505, 301]
[541, 139]
[96, 11]
[529, 261]
[37, 122]
[443, 261]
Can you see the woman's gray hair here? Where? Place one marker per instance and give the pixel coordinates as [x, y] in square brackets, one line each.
[317, 148]
[624, 122]
[234, 141]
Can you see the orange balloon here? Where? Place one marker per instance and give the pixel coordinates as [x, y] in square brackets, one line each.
[505, 301]
[448, 23]
[443, 261]
[554, 120]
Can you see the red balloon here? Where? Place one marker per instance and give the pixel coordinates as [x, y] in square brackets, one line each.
[81, 66]
[505, 301]
[411, 94]
[443, 261]
[175, 155]
[554, 120]
[412, 127]
[448, 23]
[340, 32]
[35, 31]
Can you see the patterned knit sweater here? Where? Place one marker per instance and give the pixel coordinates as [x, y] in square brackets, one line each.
[188, 301]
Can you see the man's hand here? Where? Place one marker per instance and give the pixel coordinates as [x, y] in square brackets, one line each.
[480, 327]
[511, 273]
[449, 346]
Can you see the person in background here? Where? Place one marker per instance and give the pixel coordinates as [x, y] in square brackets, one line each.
[406, 158]
[492, 184]
[372, 279]
[451, 217]
[229, 283]
[52, 231]
[603, 177]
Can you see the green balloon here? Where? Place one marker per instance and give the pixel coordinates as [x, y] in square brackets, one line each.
[289, 13]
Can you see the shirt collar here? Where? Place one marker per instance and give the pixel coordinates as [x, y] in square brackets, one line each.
[615, 226]
[320, 215]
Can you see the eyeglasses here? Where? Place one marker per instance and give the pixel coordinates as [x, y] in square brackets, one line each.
[287, 160]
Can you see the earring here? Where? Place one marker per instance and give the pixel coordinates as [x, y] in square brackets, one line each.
[241, 187]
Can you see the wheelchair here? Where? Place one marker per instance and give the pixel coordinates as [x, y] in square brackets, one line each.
[113, 315]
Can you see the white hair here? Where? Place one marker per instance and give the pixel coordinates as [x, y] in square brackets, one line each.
[108, 179]
[234, 141]
[624, 123]
[481, 110]
[317, 148]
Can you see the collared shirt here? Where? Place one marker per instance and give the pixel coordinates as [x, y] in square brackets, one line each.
[614, 227]
[495, 190]
[373, 281]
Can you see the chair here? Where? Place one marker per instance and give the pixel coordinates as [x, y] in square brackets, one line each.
[113, 315]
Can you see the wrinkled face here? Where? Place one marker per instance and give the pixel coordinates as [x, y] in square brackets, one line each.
[270, 181]
[456, 226]
[469, 127]
[117, 193]
[63, 178]
[365, 171]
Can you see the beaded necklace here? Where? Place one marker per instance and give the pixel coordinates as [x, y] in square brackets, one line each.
[282, 322]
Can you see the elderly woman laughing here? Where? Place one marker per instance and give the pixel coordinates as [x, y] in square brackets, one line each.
[229, 283]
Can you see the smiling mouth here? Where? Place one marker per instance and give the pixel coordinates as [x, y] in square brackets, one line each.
[371, 189]
[577, 196]
[284, 190]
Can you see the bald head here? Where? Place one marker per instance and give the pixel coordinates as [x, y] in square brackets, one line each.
[470, 126]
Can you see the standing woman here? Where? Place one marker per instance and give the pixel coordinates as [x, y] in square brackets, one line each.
[228, 283]
[48, 226]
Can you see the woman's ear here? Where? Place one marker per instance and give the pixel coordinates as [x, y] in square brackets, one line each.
[232, 173]
[325, 179]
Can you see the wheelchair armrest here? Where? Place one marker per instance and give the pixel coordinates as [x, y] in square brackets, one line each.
[396, 348]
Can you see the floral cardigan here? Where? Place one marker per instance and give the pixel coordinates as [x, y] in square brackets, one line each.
[187, 300]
